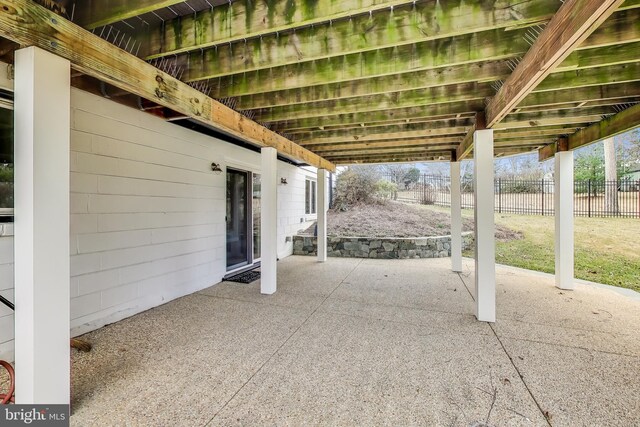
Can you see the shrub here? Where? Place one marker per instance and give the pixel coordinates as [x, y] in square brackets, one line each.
[386, 189]
[362, 185]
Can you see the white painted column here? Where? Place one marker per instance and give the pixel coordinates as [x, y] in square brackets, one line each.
[456, 218]
[269, 221]
[563, 204]
[322, 215]
[42, 276]
[485, 260]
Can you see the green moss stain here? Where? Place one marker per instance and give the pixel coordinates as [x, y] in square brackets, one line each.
[289, 11]
[226, 20]
[177, 32]
[271, 10]
[249, 8]
[309, 8]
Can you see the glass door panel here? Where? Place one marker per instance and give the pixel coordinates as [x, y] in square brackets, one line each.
[256, 216]
[237, 218]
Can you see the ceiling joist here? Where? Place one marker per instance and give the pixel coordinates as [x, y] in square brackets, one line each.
[569, 27]
[30, 24]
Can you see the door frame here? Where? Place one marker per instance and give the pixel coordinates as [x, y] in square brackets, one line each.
[251, 261]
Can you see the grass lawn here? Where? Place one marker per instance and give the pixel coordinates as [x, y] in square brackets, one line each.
[607, 250]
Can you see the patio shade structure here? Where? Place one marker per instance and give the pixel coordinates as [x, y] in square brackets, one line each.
[326, 83]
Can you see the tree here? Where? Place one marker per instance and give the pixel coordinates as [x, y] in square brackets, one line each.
[589, 164]
[395, 172]
[412, 175]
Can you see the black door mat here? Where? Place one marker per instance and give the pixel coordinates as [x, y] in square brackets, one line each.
[245, 277]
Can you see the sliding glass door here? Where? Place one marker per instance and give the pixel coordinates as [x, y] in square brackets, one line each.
[243, 218]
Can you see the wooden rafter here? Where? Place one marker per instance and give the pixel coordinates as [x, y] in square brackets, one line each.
[621, 122]
[406, 99]
[255, 56]
[437, 141]
[30, 24]
[96, 13]
[383, 118]
[611, 126]
[556, 91]
[459, 50]
[246, 19]
[413, 23]
[570, 26]
[417, 130]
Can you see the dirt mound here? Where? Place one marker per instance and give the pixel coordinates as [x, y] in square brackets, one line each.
[394, 219]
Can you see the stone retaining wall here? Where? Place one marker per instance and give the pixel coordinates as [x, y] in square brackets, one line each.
[387, 248]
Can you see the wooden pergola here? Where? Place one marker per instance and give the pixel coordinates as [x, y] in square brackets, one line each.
[356, 81]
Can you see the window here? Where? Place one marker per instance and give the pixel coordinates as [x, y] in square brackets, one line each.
[6, 164]
[310, 197]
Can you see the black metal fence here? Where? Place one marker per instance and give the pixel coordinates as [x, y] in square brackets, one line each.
[592, 198]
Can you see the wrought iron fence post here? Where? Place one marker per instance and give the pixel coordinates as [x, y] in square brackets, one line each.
[542, 186]
[499, 195]
[589, 198]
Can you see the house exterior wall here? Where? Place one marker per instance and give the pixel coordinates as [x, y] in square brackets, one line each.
[147, 214]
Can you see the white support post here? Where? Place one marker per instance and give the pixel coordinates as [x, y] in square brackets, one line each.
[456, 218]
[42, 271]
[563, 204]
[322, 215]
[269, 221]
[485, 262]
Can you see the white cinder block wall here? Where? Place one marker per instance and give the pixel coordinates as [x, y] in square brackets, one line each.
[6, 289]
[147, 214]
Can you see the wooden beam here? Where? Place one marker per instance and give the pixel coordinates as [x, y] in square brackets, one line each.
[554, 117]
[584, 94]
[430, 96]
[579, 104]
[395, 150]
[406, 99]
[466, 146]
[283, 50]
[493, 45]
[389, 143]
[544, 106]
[417, 130]
[458, 50]
[444, 157]
[30, 24]
[516, 151]
[404, 25]
[476, 72]
[571, 25]
[539, 131]
[596, 76]
[436, 112]
[625, 120]
[387, 123]
[97, 13]
[247, 19]
[487, 71]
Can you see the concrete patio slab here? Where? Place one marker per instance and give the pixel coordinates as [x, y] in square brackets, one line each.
[578, 386]
[176, 364]
[590, 317]
[343, 370]
[404, 283]
[366, 342]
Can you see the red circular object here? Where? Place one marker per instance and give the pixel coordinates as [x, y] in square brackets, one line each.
[6, 398]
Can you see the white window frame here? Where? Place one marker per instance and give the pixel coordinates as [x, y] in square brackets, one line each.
[310, 196]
